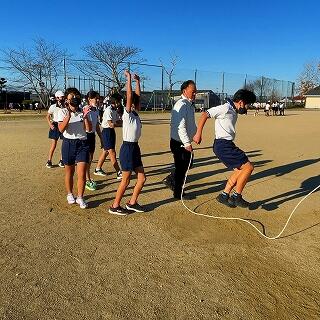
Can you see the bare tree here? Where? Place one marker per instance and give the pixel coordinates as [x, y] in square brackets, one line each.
[263, 88]
[108, 60]
[37, 67]
[309, 77]
[169, 71]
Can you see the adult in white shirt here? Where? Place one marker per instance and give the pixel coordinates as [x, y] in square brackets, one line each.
[183, 128]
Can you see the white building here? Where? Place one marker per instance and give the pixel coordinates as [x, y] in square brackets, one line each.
[313, 98]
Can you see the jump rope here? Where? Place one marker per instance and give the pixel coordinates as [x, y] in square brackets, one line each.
[242, 219]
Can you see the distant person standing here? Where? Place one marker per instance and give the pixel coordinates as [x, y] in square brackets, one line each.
[281, 109]
[183, 128]
[54, 133]
[267, 109]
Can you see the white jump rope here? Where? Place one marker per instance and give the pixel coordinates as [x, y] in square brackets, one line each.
[241, 219]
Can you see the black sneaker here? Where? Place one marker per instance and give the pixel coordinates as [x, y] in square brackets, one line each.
[224, 199]
[135, 207]
[238, 201]
[49, 164]
[119, 211]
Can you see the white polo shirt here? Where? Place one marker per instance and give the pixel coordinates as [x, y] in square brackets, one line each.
[183, 125]
[109, 114]
[75, 128]
[225, 121]
[54, 110]
[131, 126]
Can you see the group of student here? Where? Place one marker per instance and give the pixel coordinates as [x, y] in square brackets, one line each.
[79, 127]
[276, 107]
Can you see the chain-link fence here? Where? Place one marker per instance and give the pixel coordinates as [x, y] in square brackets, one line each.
[159, 89]
[160, 85]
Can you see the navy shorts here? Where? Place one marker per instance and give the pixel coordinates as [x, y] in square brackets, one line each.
[227, 152]
[91, 140]
[74, 151]
[54, 133]
[108, 138]
[130, 156]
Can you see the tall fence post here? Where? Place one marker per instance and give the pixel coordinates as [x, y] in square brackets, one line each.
[65, 74]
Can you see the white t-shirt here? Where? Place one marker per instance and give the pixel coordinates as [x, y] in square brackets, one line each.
[93, 117]
[226, 118]
[54, 111]
[75, 128]
[131, 126]
[109, 114]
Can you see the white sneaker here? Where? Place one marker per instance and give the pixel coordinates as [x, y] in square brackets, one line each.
[82, 203]
[71, 199]
[119, 175]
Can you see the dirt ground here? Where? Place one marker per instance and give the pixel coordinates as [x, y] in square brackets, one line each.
[61, 262]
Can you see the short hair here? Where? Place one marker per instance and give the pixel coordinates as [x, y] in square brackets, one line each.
[92, 94]
[186, 84]
[73, 91]
[115, 97]
[245, 95]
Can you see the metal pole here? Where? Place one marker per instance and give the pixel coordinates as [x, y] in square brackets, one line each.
[261, 87]
[222, 86]
[104, 87]
[79, 84]
[245, 81]
[65, 73]
[195, 76]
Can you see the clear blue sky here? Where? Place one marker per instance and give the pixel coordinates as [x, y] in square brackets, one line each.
[271, 38]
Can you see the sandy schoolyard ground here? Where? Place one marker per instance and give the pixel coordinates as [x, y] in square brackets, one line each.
[60, 262]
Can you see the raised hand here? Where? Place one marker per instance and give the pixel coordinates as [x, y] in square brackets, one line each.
[136, 77]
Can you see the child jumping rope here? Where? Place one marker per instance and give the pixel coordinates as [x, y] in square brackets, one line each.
[226, 116]
[130, 155]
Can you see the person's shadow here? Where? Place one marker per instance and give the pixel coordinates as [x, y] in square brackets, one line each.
[273, 203]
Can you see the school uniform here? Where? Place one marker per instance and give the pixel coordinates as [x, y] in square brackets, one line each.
[54, 133]
[130, 154]
[109, 134]
[74, 146]
[183, 128]
[224, 148]
[93, 117]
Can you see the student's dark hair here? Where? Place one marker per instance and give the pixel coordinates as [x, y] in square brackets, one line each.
[92, 94]
[73, 91]
[186, 84]
[245, 95]
[115, 97]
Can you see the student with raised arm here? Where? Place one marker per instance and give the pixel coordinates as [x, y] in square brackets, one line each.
[227, 152]
[130, 155]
